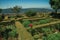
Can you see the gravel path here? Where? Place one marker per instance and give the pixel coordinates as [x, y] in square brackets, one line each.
[23, 33]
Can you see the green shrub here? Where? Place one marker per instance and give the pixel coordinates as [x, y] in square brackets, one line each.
[26, 23]
[11, 27]
[54, 36]
[46, 29]
[43, 21]
[13, 33]
[9, 30]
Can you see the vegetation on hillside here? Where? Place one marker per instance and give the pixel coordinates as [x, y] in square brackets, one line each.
[30, 13]
[8, 30]
[51, 32]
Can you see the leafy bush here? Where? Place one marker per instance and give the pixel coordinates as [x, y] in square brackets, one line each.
[43, 21]
[36, 23]
[13, 33]
[11, 27]
[46, 30]
[8, 31]
[26, 23]
[53, 36]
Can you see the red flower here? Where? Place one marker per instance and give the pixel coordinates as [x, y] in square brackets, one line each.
[30, 25]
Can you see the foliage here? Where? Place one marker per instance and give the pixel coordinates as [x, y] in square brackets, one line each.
[50, 32]
[46, 29]
[4, 33]
[43, 21]
[16, 9]
[13, 33]
[0, 10]
[11, 27]
[26, 23]
[30, 13]
[55, 4]
[8, 31]
[53, 36]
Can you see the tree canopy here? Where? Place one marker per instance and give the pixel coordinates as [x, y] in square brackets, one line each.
[55, 4]
[16, 9]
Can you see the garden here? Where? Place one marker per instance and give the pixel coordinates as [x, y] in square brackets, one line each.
[37, 22]
[51, 32]
[8, 31]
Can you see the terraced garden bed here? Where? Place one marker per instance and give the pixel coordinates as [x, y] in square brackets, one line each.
[46, 33]
[43, 33]
[37, 22]
[8, 30]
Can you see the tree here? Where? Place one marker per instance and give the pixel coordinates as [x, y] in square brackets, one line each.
[30, 13]
[0, 10]
[16, 10]
[55, 4]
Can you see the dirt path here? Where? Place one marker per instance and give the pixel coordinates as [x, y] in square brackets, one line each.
[43, 25]
[23, 33]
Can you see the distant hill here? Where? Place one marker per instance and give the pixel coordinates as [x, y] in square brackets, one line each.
[37, 10]
[24, 10]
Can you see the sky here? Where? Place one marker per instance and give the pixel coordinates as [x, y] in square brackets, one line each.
[24, 3]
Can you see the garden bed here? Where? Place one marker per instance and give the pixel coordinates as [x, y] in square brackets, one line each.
[46, 33]
[37, 22]
[8, 31]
